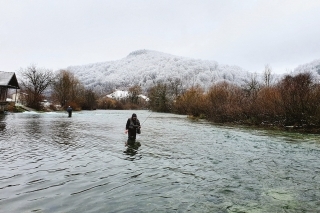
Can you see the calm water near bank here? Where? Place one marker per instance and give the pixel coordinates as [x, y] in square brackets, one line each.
[52, 163]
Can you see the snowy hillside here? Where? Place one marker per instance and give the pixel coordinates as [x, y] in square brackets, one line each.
[146, 67]
[313, 67]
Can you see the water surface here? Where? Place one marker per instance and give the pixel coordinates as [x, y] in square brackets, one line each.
[52, 163]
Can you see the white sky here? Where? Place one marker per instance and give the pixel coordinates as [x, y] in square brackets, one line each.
[249, 33]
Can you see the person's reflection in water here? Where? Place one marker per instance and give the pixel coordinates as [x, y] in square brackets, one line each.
[132, 151]
[63, 132]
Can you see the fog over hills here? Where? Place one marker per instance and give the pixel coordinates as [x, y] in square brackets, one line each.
[147, 67]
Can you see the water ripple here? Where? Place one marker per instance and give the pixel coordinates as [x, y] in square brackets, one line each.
[51, 163]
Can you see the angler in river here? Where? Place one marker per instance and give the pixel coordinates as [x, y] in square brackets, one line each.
[132, 128]
[69, 110]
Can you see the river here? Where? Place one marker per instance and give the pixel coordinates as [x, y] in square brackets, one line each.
[52, 163]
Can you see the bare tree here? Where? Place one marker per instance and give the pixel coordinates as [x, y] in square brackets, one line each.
[35, 82]
[134, 93]
[267, 76]
[175, 85]
[252, 86]
[89, 99]
[64, 87]
[298, 100]
[158, 98]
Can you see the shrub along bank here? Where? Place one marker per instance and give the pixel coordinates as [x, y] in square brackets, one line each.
[291, 104]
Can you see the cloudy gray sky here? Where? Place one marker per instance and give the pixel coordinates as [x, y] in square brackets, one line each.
[249, 33]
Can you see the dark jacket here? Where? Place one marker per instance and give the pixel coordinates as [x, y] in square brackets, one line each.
[69, 109]
[132, 126]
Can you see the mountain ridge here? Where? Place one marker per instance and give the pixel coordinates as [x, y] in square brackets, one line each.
[147, 67]
[313, 67]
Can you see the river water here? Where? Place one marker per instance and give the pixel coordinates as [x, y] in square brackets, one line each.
[52, 163]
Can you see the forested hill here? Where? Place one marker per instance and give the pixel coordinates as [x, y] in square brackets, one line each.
[146, 67]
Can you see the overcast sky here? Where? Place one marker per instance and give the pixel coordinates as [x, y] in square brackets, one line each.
[55, 34]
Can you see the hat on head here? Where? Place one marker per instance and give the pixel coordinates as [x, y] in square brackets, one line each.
[134, 115]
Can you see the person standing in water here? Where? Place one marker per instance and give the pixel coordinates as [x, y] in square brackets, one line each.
[69, 110]
[132, 128]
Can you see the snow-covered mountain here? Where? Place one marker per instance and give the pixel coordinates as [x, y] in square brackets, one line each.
[147, 67]
[313, 67]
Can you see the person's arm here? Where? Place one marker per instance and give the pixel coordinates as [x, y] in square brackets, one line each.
[127, 126]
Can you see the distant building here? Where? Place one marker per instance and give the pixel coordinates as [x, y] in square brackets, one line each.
[118, 94]
[45, 103]
[143, 97]
[8, 80]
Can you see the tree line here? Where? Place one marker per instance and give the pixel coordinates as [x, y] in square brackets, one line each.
[64, 89]
[292, 102]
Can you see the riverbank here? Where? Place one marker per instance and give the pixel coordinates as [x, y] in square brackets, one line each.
[266, 126]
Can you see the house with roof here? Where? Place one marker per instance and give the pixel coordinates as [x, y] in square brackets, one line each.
[8, 80]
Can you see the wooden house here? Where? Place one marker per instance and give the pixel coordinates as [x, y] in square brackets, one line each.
[8, 80]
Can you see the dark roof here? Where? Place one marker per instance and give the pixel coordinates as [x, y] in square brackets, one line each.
[8, 79]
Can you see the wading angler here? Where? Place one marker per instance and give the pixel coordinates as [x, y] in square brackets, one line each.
[132, 129]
